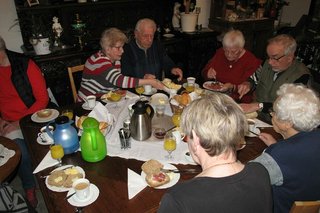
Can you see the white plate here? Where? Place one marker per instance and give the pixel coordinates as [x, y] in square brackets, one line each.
[185, 85]
[207, 85]
[168, 35]
[39, 141]
[63, 189]
[255, 130]
[159, 98]
[175, 177]
[37, 119]
[86, 107]
[94, 194]
[153, 91]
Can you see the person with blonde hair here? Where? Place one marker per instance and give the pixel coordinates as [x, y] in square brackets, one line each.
[233, 65]
[102, 71]
[145, 57]
[225, 184]
[293, 163]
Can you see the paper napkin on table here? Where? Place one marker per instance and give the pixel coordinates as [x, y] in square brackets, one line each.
[46, 162]
[135, 184]
[260, 123]
[6, 154]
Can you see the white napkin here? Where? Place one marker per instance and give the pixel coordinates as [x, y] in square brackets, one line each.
[46, 162]
[6, 153]
[101, 113]
[135, 184]
[260, 123]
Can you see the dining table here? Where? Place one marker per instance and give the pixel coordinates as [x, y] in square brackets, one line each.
[10, 166]
[110, 175]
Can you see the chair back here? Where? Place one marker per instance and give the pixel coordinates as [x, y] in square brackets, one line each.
[305, 207]
[74, 87]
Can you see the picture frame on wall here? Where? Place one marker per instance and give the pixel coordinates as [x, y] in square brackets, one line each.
[33, 2]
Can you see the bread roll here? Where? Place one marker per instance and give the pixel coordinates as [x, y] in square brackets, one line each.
[57, 178]
[71, 178]
[151, 167]
[44, 113]
[103, 125]
[80, 121]
[157, 179]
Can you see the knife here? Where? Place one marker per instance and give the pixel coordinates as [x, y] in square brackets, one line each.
[181, 171]
[66, 198]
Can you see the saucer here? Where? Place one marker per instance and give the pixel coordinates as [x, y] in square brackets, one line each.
[41, 142]
[153, 91]
[94, 194]
[255, 130]
[37, 119]
[86, 107]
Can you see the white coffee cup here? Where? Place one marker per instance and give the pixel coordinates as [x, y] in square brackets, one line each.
[91, 101]
[82, 188]
[147, 88]
[191, 81]
[43, 135]
[251, 125]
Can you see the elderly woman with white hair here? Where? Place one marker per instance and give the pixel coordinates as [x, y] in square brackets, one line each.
[225, 184]
[233, 65]
[294, 162]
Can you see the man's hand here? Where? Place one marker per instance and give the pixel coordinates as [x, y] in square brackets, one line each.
[243, 88]
[212, 73]
[252, 107]
[149, 76]
[178, 72]
[267, 138]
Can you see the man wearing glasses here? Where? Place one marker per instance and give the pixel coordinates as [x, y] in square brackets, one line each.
[145, 57]
[280, 67]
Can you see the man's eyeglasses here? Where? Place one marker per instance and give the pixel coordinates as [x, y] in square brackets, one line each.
[277, 59]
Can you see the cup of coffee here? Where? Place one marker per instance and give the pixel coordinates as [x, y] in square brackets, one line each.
[82, 188]
[43, 135]
[191, 81]
[147, 89]
[91, 101]
[251, 125]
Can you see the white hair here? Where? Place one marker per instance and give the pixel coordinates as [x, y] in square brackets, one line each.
[298, 105]
[233, 38]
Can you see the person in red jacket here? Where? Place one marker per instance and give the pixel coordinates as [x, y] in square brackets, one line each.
[233, 65]
[22, 92]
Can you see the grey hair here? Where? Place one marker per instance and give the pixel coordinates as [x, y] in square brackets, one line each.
[111, 36]
[299, 105]
[145, 22]
[287, 41]
[233, 38]
[217, 120]
[2, 44]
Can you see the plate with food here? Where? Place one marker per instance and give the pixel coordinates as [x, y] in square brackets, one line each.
[113, 96]
[155, 178]
[170, 84]
[61, 179]
[214, 86]
[44, 115]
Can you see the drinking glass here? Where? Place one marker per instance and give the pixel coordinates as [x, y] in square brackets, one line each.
[176, 117]
[169, 144]
[68, 113]
[57, 152]
[140, 90]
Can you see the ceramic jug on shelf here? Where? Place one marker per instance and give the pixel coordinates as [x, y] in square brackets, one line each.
[92, 142]
[140, 124]
[64, 134]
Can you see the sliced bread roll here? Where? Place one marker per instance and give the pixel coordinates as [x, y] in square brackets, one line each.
[151, 167]
[157, 179]
[57, 178]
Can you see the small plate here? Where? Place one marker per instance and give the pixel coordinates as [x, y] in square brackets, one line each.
[255, 130]
[37, 119]
[213, 86]
[63, 189]
[153, 91]
[94, 194]
[86, 107]
[168, 35]
[41, 142]
[185, 85]
[174, 177]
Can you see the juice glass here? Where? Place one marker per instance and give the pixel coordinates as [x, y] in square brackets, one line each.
[169, 144]
[57, 152]
[140, 90]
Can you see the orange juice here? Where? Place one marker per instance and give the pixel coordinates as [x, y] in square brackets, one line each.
[176, 119]
[57, 151]
[169, 144]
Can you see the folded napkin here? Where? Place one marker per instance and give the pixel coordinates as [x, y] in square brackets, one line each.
[260, 123]
[6, 154]
[135, 184]
[101, 113]
[46, 162]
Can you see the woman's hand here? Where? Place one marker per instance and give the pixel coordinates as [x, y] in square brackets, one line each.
[178, 72]
[267, 138]
[212, 73]
[252, 107]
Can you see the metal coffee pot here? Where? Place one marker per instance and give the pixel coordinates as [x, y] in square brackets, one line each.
[140, 124]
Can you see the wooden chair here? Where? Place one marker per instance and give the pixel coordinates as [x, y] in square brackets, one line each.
[305, 207]
[71, 71]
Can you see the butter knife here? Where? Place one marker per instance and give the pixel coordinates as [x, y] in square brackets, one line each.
[181, 171]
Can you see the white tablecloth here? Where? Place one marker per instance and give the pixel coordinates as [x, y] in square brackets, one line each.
[141, 150]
